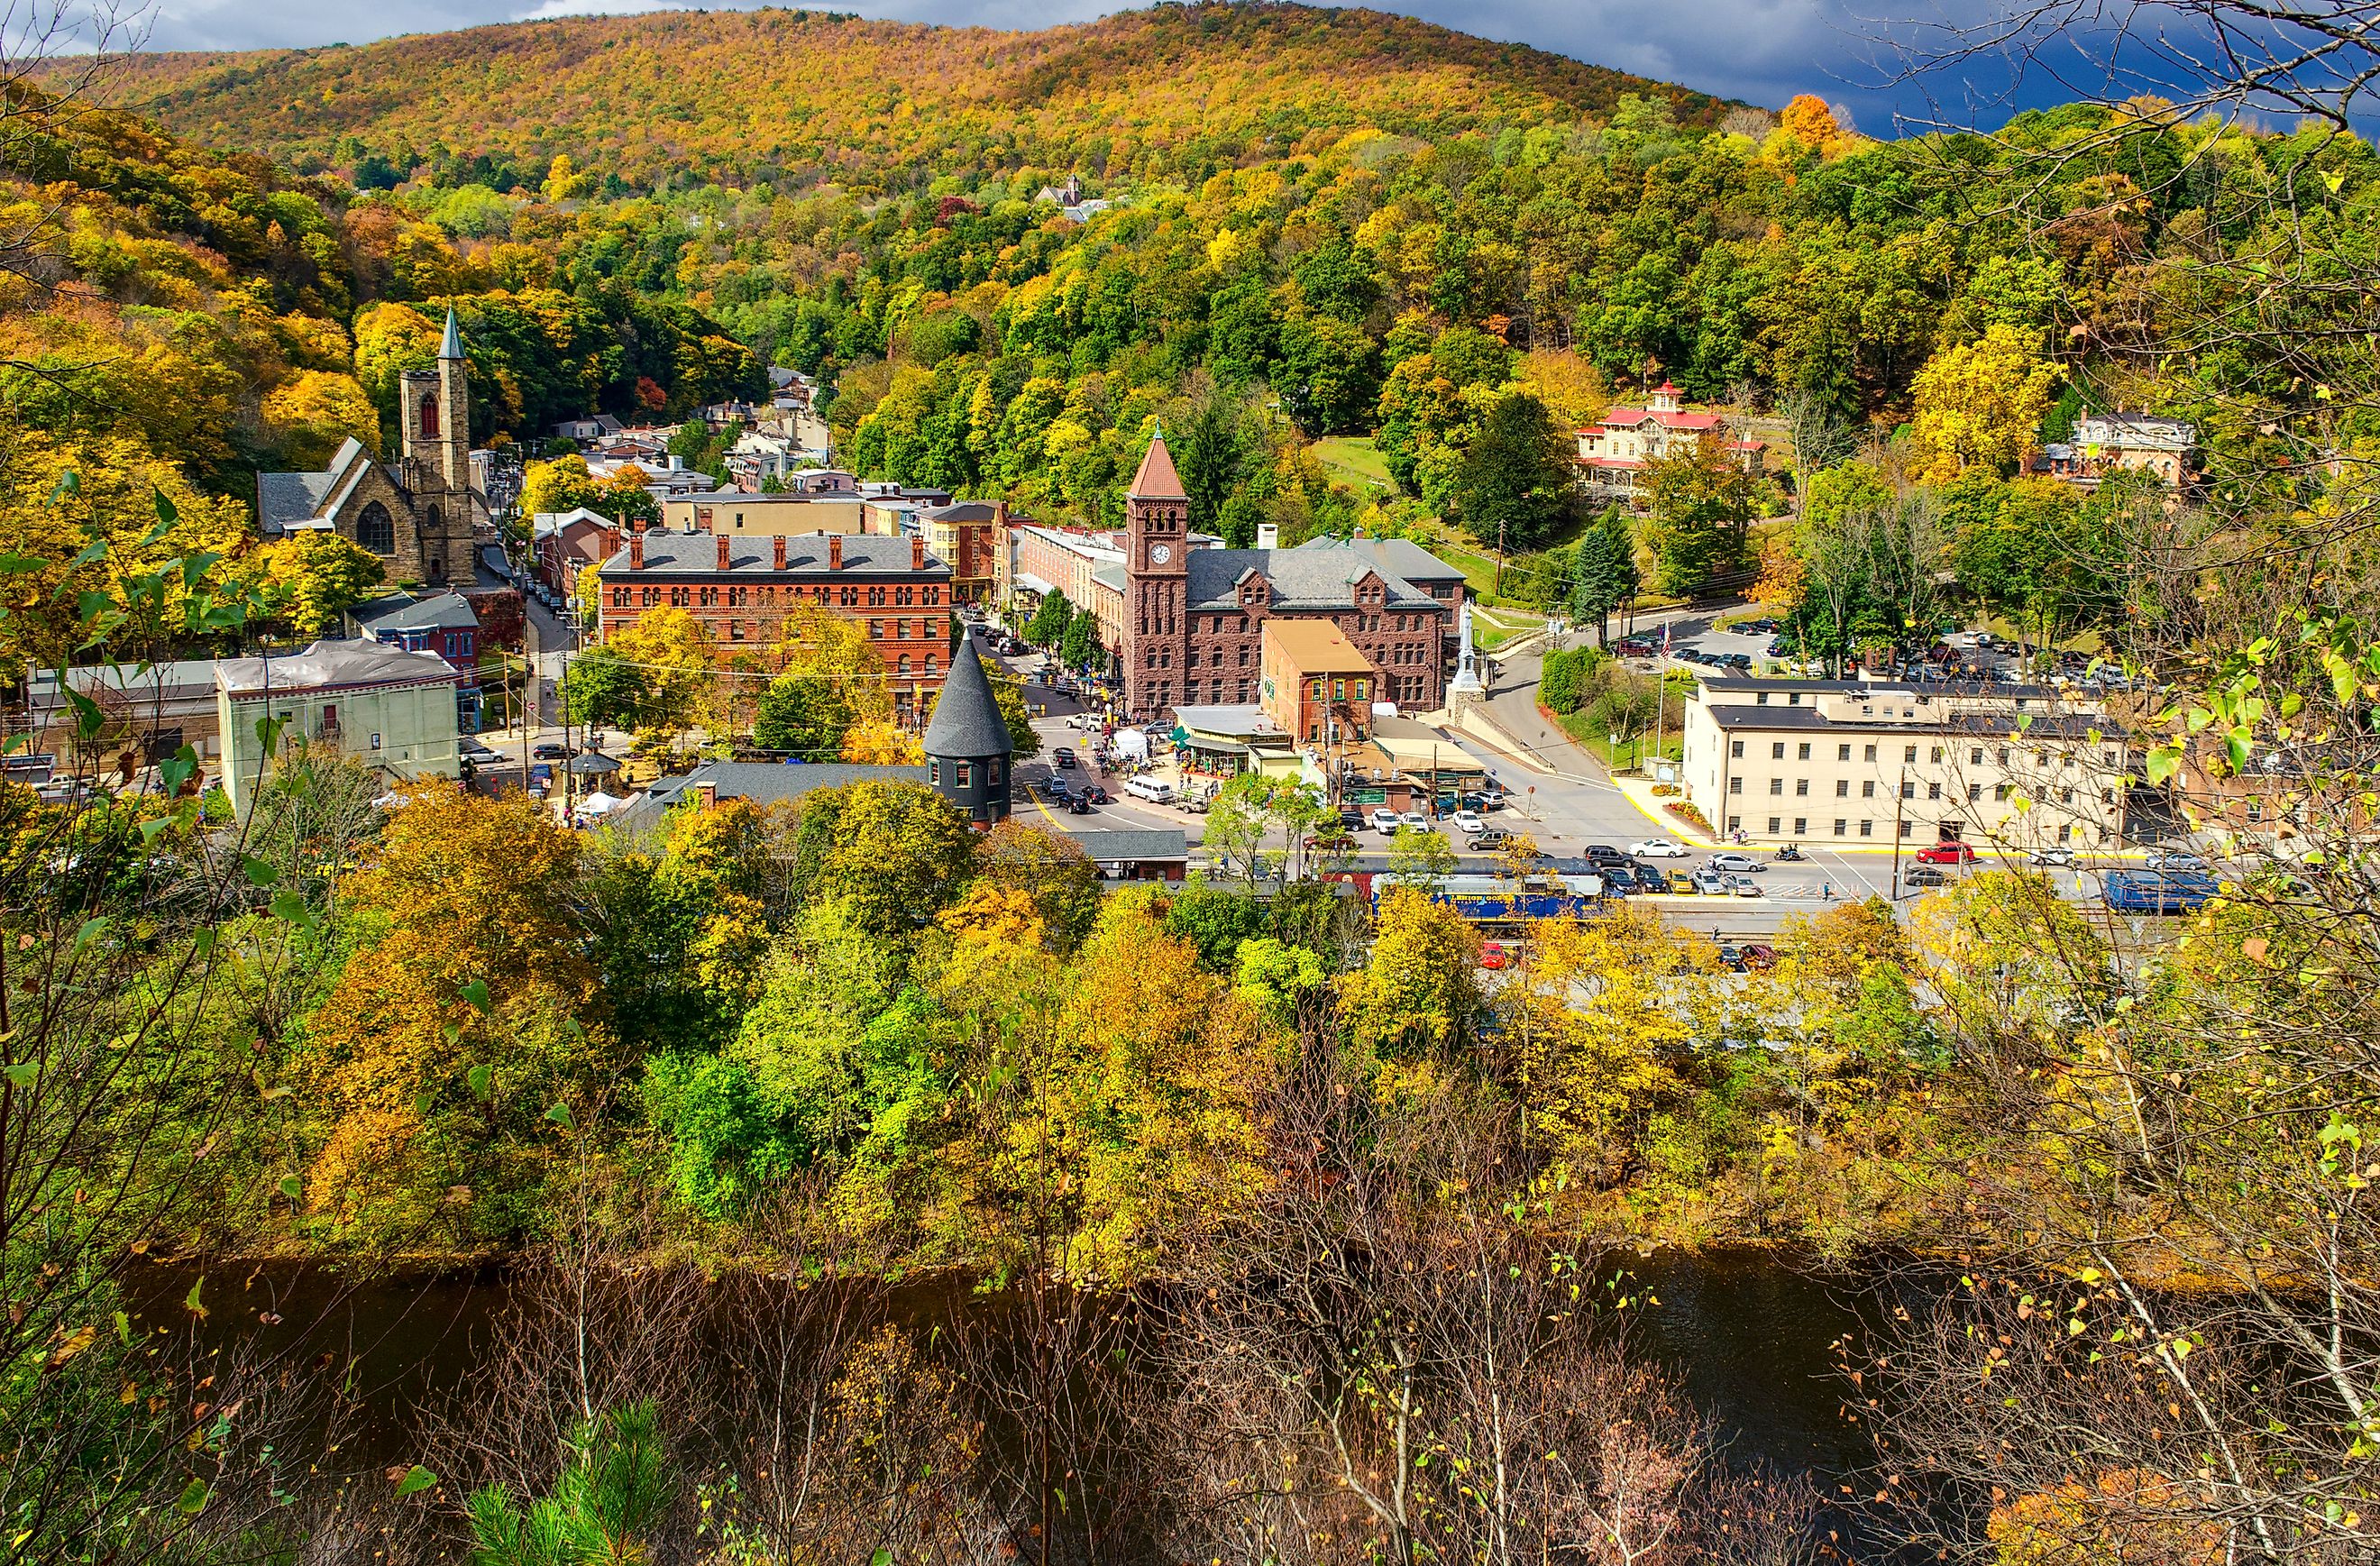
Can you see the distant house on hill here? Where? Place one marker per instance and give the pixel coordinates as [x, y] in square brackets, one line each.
[1613, 453]
[1070, 199]
[2108, 443]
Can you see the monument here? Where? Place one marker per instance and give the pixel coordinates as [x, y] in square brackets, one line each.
[1466, 687]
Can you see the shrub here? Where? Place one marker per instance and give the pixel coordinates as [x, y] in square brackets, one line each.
[1688, 811]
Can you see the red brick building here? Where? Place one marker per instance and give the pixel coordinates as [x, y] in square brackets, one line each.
[741, 589]
[1195, 618]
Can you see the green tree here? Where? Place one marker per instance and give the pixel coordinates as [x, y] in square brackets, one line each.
[1079, 649]
[1051, 620]
[1330, 374]
[805, 714]
[1606, 574]
[1700, 503]
[1212, 461]
[1514, 485]
[614, 1488]
[1420, 858]
[890, 853]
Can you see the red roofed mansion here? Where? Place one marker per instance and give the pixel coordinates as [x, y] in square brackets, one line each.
[1194, 619]
[1612, 453]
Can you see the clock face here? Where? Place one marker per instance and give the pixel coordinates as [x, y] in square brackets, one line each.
[1159, 553]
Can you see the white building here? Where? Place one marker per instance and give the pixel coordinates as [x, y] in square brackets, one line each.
[1788, 761]
[391, 709]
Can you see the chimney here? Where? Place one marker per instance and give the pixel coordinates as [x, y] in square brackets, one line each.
[637, 550]
[723, 552]
[916, 555]
[706, 795]
[834, 551]
[780, 561]
[999, 514]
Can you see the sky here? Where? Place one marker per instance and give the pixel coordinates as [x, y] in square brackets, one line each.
[1762, 51]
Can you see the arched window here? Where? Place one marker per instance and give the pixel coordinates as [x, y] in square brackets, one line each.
[437, 524]
[437, 569]
[375, 530]
[429, 416]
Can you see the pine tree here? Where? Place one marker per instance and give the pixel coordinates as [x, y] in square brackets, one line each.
[1606, 576]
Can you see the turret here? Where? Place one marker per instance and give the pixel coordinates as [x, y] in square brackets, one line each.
[967, 744]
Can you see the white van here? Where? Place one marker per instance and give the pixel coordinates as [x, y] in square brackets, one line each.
[1156, 790]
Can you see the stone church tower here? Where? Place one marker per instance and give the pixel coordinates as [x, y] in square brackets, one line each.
[1157, 571]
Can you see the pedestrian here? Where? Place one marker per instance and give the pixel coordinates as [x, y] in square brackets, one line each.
[1825, 892]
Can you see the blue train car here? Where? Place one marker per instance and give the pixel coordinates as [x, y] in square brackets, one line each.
[2155, 891]
[1493, 899]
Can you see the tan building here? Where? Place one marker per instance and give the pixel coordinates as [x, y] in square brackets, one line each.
[1788, 760]
[738, 514]
[1315, 684]
[1620, 446]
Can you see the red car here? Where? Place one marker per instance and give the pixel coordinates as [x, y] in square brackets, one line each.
[1492, 955]
[1947, 854]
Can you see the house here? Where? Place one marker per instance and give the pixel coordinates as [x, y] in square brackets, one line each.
[1071, 201]
[1137, 853]
[391, 709]
[1616, 450]
[963, 535]
[1783, 759]
[741, 589]
[444, 624]
[567, 541]
[2134, 442]
[415, 513]
[590, 429]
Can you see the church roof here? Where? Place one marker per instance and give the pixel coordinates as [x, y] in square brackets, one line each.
[1157, 479]
[282, 499]
[453, 346]
[966, 720]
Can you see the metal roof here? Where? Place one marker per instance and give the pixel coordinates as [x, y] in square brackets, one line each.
[966, 722]
[1113, 845]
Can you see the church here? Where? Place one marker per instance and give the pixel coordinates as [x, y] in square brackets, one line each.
[416, 513]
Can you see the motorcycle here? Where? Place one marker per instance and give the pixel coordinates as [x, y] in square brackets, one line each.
[1791, 853]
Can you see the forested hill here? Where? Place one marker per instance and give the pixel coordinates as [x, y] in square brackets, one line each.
[1168, 93]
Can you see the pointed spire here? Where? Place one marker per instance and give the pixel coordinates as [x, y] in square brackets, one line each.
[1157, 479]
[453, 346]
[966, 724]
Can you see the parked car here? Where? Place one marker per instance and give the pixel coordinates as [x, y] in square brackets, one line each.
[1743, 886]
[1333, 839]
[1414, 818]
[1487, 840]
[2057, 855]
[1710, 883]
[1946, 852]
[1759, 957]
[1731, 958]
[1735, 661]
[1156, 790]
[2174, 859]
[1743, 862]
[1924, 875]
[1468, 823]
[1384, 821]
[550, 752]
[1682, 883]
[1352, 821]
[1492, 954]
[1094, 792]
[1658, 848]
[1651, 880]
[1064, 758]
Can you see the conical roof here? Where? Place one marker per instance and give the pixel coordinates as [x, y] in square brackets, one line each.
[1157, 479]
[966, 722]
[453, 346]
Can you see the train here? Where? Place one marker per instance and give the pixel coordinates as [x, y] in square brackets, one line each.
[1494, 900]
[2155, 891]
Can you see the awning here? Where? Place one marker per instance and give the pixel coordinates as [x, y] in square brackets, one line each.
[1034, 584]
[1213, 746]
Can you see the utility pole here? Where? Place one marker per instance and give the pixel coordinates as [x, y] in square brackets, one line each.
[1900, 792]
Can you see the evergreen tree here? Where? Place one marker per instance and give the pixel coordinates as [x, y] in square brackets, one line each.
[1606, 574]
[1210, 459]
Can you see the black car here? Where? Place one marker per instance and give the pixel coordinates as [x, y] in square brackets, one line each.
[1093, 793]
[1602, 855]
[1078, 805]
[550, 752]
[1063, 756]
[1352, 821]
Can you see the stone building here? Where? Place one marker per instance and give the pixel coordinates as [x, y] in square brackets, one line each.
[416, 513]
[1195, 618]
[967, 743]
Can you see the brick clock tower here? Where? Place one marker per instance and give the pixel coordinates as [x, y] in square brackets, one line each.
[1156, 574]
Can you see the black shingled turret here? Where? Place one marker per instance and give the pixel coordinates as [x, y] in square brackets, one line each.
[967, 746]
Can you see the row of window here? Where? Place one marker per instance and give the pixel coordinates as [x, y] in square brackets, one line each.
[963, 776]
[2000, 792]
[1867, 828]
[926, 630]
[1909, 754]
[844, 596]
[1338, 690]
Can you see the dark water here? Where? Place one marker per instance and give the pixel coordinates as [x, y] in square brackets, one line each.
[1749, 1332]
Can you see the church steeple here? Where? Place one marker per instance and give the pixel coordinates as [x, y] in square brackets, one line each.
[453, 346]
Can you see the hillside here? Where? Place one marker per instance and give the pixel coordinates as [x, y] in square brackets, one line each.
[1169, 92]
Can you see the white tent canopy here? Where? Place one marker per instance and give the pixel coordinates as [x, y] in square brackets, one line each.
[599, 804]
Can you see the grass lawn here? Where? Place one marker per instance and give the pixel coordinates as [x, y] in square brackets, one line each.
[1354, 460]
[1633, 753]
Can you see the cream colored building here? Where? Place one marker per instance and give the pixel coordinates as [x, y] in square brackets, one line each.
[1847, 760]
[391, 710]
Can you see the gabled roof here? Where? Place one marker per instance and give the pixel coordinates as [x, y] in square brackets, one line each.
[342, 664]
[1156, 479]
[403, 611]
[762, 783]
[966, 722]
[1314, 575]
[282, 499]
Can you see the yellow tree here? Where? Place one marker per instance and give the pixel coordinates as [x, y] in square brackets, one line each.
[676, 659]
[311, 412]
[560, 483]
[449, 1038]
[319, 574]
[1418, 994]
[1979, 405]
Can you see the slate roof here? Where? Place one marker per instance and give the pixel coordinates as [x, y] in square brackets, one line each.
[1156, 479]
[1303, 577]
[403, 611]
[964, 511]
[763, 783]
[1400, 557]
[332, 664]
[696, 555]
[1111, 844]
[966, 722]
[286, 498]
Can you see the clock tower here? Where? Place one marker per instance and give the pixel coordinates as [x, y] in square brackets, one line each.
[1156, 574]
